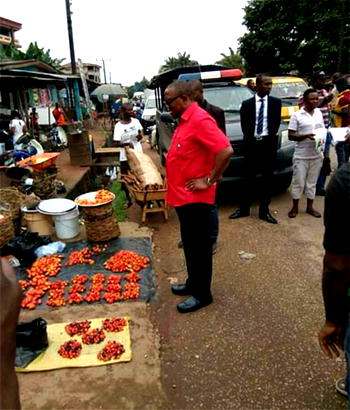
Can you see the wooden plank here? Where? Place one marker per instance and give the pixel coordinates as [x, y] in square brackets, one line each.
[110, 150]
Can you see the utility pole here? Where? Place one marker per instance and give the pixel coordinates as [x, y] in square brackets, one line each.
[104, 70]
[70, 36]
[76, 92]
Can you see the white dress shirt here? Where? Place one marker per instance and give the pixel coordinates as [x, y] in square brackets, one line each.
[265, 130]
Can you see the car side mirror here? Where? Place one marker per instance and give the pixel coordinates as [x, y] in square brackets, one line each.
[167, 118]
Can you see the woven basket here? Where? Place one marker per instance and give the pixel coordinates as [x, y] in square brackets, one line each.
[15, 199]
[100, 223]
[7, 231]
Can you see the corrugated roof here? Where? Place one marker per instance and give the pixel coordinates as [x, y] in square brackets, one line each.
[13, 64]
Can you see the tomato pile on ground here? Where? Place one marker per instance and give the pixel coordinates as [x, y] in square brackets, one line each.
[112, 350]
[81, 288]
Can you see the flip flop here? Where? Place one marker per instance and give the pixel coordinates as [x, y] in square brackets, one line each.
[314, 213]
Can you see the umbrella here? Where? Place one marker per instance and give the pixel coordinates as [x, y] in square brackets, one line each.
[112, 90]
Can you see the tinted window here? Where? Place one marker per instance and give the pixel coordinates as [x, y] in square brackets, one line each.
[227, 98]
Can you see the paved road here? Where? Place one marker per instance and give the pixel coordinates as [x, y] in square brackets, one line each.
[256, 346]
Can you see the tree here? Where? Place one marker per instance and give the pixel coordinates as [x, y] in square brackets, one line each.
[299, 35]
[182, 60]
[34, 52]
[233, 60]
[138, 86]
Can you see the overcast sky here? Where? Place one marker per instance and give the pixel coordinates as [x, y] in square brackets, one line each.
[133, 37]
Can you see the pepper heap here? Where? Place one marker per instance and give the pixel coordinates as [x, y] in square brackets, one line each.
[109, 288]
[126, 261]
[102, 196]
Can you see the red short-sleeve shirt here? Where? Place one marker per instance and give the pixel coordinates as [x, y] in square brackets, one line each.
[195, 143]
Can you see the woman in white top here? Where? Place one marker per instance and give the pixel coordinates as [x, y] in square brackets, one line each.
[307, 129]
[127, 133]
[17, 128]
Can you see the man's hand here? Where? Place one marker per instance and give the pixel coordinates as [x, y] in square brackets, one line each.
[347, 138]
[196, 184]
[311, 136]
[330, 339]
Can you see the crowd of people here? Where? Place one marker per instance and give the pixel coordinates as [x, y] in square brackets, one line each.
[200, 134]
[192, 184]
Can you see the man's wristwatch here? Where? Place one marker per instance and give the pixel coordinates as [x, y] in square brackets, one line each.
[208, 181]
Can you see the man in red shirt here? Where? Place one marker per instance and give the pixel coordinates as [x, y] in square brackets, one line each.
[197, 157]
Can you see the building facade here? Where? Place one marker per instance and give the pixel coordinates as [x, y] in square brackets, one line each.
[7, 32]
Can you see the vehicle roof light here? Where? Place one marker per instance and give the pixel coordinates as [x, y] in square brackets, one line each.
[233, 74]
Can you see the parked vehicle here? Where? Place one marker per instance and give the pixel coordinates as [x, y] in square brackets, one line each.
[221, 89]
[288, 89]
[148, 118]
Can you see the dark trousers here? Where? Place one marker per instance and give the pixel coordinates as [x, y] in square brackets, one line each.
[196, 227]
[214, 214]
[260, 159]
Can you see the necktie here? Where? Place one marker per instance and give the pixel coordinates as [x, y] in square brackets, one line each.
[259, 128]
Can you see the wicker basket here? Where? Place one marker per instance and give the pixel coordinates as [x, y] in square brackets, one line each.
[100, 223]
[15, 199]
[7, 231]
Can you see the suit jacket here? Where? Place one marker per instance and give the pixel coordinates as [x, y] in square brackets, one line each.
[217, 113]
[248, 119]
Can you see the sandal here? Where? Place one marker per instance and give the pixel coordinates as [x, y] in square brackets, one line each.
[314, 213]
[292, 213]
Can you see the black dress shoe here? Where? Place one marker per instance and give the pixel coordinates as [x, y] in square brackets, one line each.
[191, 304]
[180, 289]
[268, 218]
[239, 213]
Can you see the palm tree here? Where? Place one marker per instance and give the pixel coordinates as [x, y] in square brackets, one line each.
[182, 60]
[233, 60]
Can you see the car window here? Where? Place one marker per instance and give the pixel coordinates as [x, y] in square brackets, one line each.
[227, 98]
[151, 103]
[288, 90]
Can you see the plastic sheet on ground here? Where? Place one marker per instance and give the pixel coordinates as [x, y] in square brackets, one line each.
[50, 359]
[142, 246]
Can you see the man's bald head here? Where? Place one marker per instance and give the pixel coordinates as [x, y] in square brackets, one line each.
[178, 96]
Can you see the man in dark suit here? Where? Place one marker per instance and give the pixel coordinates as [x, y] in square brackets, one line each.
[216, 112]
[260, 121]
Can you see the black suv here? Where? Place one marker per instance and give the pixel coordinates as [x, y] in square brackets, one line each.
[227, 95]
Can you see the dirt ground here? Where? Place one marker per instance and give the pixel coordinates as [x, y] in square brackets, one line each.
[255, 347]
